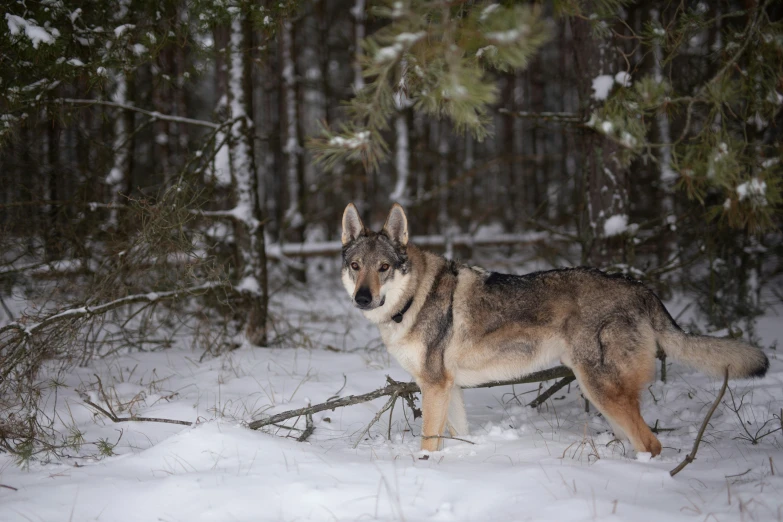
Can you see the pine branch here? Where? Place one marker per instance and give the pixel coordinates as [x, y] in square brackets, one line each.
[746, 37]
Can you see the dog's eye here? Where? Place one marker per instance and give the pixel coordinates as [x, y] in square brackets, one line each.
[355, 266]
[384, 267]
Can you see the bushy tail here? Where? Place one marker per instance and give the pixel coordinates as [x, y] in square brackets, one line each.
[713, 354]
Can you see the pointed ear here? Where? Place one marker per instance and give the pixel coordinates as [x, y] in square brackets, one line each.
[397, 224]
[352, 224]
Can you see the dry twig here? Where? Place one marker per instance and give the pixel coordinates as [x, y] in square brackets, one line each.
[114, 418]
[692, 455]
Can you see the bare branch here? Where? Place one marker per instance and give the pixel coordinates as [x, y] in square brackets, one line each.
[538, 401]
[114, 418]
[153, 114]
[328, 248]
[389, 404]
[559, 117]
[692, 455]
[309, 428]
[90, 311]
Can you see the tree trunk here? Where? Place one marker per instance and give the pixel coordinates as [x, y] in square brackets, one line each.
[117, 178]
[249, 228]
[606, 179]
[294, 220]
[667, 176]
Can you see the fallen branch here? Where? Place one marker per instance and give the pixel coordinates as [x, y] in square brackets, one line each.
[565, 381]
[114, 418]
[309, 429]
[389, 404]
[692, 455]
[332, 248]
[441, 437]
[400, 389]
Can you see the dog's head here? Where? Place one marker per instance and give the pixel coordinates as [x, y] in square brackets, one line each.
[375, 263]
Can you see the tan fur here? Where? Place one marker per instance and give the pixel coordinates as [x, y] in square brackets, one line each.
[465, 326]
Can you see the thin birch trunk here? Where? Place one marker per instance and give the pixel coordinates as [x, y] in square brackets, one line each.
[402, 146]
[249, 228]
[292, 148]
[607, 193]
[116, 180]
[358, 33]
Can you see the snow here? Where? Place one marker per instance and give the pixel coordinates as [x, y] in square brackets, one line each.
[121, 29]
[36, 33]
[506, 37]
[627, 139]
[754, 190]
[622, 79]
[359, 139]
[409, 38]
[616, 225]
[222, 171]
[489, 50]
[397, 10]
[557, 463]
[249, 284]
[488, 11]
[602, 84]
[389, 53]
[770, 162]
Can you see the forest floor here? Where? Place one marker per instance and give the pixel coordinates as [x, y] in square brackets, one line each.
[554, 463]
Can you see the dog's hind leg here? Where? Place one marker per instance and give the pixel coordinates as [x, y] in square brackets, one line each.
[611, 377]
[457, 420]
[435, 409]
[617, 397]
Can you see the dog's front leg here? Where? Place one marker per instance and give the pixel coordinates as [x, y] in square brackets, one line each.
[435, 409]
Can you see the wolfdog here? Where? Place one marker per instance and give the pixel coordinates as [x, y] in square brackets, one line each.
[451, 325]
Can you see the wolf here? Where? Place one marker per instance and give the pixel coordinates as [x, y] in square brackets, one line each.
[451, 325]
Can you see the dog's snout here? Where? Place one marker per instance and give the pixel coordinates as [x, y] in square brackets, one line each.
[363, 296]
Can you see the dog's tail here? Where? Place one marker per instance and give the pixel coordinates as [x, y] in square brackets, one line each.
[711, 355]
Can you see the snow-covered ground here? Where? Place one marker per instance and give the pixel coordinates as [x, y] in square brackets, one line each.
[556, 463]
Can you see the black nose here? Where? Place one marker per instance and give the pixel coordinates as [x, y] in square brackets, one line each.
[363, 296]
